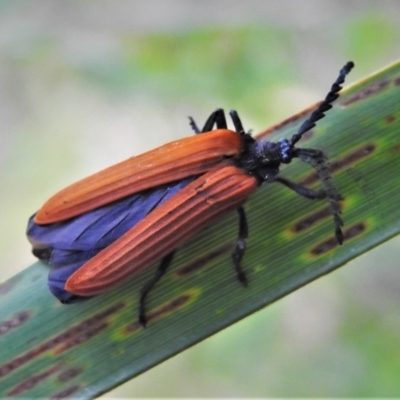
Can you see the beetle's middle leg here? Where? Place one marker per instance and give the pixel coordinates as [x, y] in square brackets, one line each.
[240, 248]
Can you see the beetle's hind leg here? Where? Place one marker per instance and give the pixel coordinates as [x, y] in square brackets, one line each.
[240, 248]
[148, 286]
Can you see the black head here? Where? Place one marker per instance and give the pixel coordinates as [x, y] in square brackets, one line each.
[264, 158]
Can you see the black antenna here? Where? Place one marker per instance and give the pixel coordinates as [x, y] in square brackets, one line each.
[325, 104]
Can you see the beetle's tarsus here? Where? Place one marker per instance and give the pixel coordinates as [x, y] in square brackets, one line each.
[143, 321]
[339, 235]
[240, 248]
[193, 125]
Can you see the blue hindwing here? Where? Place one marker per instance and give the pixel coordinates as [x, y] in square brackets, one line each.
[67, 245]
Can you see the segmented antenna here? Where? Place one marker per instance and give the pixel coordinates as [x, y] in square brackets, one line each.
[325, 104]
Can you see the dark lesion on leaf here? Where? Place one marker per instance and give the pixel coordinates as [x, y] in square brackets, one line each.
[14, 322]
[390, 119]
[310, 220]
[33, 381]
[331, 243]
[367, 92]
[204, 260]
[65, 392]
[163, 310]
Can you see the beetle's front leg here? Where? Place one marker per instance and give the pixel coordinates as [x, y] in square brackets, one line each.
[302, 190]
[317, 160]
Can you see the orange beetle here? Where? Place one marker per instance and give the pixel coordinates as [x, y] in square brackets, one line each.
[106, 227]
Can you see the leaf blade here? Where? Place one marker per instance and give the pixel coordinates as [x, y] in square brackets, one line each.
[86, 350]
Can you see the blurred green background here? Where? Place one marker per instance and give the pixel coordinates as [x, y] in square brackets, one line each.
[86, 84]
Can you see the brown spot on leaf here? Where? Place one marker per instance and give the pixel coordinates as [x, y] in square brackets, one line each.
[355, 230]
[324, 247]
[14, 322]
[65, 393]
[82, 337]
[79, 330]
[163, 310]
[311, 219]
[331, 243]
[367, 92]
[33, 381]
[69, 374]
[204, 260]
[390, 118]
[395, 149]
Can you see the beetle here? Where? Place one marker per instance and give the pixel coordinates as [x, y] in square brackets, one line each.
[110, 225]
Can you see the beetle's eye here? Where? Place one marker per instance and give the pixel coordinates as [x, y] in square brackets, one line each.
[284, 150]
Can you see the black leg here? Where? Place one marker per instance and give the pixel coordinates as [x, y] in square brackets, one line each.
[220, 120]
[237, 122]
[240, 248]
[161, 270]
[216, 118]
[301, 190]
[193, 125]
[317, 160]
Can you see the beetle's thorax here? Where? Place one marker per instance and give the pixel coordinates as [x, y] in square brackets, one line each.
[263, 158]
